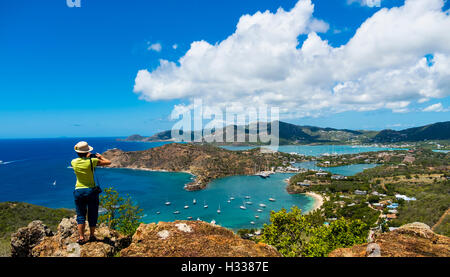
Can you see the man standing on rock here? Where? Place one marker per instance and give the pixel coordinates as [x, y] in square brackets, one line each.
[86, 193]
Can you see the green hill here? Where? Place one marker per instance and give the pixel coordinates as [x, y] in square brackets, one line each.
[436, 131]
[14, 215]
[296, 134]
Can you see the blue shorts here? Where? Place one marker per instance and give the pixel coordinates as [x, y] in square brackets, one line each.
[86, 201]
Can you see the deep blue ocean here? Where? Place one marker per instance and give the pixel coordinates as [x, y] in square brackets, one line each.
[37, 171]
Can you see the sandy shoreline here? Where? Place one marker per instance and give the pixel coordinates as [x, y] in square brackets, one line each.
[318, 200]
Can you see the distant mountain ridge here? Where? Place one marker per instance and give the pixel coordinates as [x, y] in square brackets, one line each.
[296, 134]
[436, 131]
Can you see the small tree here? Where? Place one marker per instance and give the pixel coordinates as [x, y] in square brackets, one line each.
[340, 233]
[121, 214]
[287, 231]
[294, 234]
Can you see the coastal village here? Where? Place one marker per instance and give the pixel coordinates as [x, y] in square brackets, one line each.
[374, 194]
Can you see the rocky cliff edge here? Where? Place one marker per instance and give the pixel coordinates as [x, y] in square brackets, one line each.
[410, 240]
[165, 239]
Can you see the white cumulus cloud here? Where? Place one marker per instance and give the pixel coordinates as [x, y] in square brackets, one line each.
[155, 47]
[435, 108]
[383, 66]
[368, 3]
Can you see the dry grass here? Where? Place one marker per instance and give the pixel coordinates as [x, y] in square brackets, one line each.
[422, 179]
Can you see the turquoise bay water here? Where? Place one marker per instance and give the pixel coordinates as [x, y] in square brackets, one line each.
[152, 189]
[33, 165]
[317, 150]
[441, 151]
[345, 170]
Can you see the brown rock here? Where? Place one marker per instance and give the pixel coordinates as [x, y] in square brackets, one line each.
[192, 239]
[63, 243]
[410, 240]
[28, 237]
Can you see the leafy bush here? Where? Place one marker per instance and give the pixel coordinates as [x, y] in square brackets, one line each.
[294, 234]
[121, 214]
[340, 233]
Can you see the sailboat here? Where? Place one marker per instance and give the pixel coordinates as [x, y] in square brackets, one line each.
[243, 207]
[249, 203]
[205, 206]
[54, 183]
[218, 210]
[194, 201]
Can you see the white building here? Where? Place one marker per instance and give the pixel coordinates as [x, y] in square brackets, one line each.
[404, 197]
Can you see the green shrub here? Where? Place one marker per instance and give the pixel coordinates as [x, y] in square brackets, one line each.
[121, 214]
[294, 235]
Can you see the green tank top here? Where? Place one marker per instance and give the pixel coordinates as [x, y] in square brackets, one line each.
[82, 168]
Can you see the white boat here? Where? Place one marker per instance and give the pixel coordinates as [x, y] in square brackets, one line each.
[1, 162]
[54, 183]
[205, 206]
[229, 201]
[249, 203]
[189, 217]
[252, 222]
[231, 198]
[259, 210]
[262, 205]
[243, 207]
[158, 212]
[247, 197]
[213, 222]
[167, 203]
[186, 207]
[272, 199]
[176, 212]
[263, 175]
[194, 201]
[256, 216]
[218, 210]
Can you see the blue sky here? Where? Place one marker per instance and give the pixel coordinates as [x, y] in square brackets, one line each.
[71, 71]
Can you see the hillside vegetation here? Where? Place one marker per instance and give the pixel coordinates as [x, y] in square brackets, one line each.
[14, 215]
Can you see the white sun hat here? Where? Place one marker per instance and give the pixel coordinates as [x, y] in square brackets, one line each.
[83, 147]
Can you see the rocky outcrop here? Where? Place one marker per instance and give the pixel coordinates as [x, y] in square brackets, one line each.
[410, 240]
[165, 239]
[192, 239]
[36, 240]
[23, 241]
